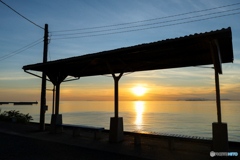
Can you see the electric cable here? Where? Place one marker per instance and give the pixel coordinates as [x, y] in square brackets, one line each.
[148, 24]
[19, 50]
[149, 27]
[21, 15]
[149, 19]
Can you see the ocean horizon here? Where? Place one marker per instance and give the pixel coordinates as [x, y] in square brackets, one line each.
[191, 117]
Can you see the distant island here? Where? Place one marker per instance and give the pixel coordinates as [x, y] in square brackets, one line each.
[197, 99]
[201, 99]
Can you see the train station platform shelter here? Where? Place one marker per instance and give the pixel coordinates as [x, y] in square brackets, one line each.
[214, 47]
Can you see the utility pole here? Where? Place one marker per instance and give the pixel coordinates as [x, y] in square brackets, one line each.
[43, 92]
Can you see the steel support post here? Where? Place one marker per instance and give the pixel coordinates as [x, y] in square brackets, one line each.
[57, 99]
[216, 58]
[116, 123]
[116, 96]
[219, 129]
[53, 99]
[218, 100]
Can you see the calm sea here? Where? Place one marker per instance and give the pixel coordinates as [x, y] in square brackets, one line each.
[193, 118]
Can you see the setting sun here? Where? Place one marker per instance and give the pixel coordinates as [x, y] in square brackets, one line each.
[139, 90]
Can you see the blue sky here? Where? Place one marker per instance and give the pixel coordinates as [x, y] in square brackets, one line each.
[173, 84]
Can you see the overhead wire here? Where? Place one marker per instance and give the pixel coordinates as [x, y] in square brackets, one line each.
[21, 15]
[33, 44]
[21, 49]
[148, 27]
[148, 19]
[148, 24]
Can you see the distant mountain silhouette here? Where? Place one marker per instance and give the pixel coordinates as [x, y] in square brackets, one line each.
[201, 99]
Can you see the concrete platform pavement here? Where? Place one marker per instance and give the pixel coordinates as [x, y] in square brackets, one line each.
[24, 141]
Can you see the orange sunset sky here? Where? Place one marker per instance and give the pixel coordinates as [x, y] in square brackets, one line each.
[158, 85]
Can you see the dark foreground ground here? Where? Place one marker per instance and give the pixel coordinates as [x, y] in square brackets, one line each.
[22, 148]
[24, 141]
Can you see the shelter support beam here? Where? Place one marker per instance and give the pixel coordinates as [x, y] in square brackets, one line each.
[218, 100]
[219, 129]
[116, 80]
[56, 118]
[57, 99]
[35, 75]
[116, 98]
[116, 122]
[53, 99]
[216, 57]
[56, 78]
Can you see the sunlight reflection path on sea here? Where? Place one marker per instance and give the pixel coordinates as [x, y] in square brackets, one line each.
[193, 118]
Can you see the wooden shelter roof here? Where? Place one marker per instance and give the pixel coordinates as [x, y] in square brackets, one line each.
[192, 50]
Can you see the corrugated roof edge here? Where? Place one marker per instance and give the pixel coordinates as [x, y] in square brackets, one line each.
[141, 45]
[166, 40]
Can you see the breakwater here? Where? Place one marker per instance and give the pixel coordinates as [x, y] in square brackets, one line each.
[19, 103]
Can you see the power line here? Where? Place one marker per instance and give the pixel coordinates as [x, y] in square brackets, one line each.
[149, 27]
[149, 19]
[147, 24]
[21, 15]
[21, 50]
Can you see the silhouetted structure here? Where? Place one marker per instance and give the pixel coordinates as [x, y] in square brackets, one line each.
[20, 103]
[213, 47]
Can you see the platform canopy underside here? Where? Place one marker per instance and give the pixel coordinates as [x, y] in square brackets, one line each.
[192, 50]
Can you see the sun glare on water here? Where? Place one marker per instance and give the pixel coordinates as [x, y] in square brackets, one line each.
[139, 91]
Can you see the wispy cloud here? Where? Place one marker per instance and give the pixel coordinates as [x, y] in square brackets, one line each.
[16, 78]
[173, 73]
